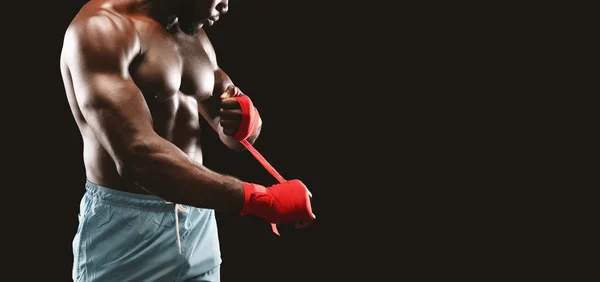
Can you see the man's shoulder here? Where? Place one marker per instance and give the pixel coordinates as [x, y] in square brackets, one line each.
[98, 21]
[99, 28]
[99, 37]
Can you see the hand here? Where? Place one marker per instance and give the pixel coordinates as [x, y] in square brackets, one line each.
[239, 118]
[281, 203]
[231, 110]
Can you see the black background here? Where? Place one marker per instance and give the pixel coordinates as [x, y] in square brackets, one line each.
[412, 125]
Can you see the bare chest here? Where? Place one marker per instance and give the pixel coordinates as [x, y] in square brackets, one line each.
[170, 66]
[173, 75]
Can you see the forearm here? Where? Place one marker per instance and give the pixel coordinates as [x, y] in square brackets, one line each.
[161, 168]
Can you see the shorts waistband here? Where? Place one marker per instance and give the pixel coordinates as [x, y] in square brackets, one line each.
[122, 198]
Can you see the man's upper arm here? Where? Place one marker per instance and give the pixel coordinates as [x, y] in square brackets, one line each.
[98, 52]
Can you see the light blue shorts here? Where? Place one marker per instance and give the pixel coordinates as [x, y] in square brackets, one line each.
[132, 237]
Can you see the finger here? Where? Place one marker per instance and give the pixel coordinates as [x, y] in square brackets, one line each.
[236, 91]
[230, 103]
[229, 124]
[306, 220]
[231, 91]
[303, 224]
[229, 131]
[234, 114]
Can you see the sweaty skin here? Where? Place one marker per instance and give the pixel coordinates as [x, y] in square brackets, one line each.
[137, 90]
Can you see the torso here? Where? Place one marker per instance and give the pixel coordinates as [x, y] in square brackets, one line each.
[174, 72]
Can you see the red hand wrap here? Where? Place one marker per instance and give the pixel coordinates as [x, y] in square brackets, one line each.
[281, 203]
[250, 119]
[285, 202]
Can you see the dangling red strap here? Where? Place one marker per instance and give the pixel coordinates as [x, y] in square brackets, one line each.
[248, 128]
[269, 168]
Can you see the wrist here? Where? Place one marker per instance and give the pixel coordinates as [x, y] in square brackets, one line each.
[252, 138]
[251, 121]
[251, 193]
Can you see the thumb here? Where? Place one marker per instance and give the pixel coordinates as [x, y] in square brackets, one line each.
[231, 91]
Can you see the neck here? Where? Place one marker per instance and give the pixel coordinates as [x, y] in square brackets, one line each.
[162, 11]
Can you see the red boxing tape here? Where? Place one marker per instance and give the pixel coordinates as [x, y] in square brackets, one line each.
[269, 203]
[249, 126]
[250, 119]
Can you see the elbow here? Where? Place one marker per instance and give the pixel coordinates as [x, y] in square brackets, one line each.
[127, 170]
[130, 162]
